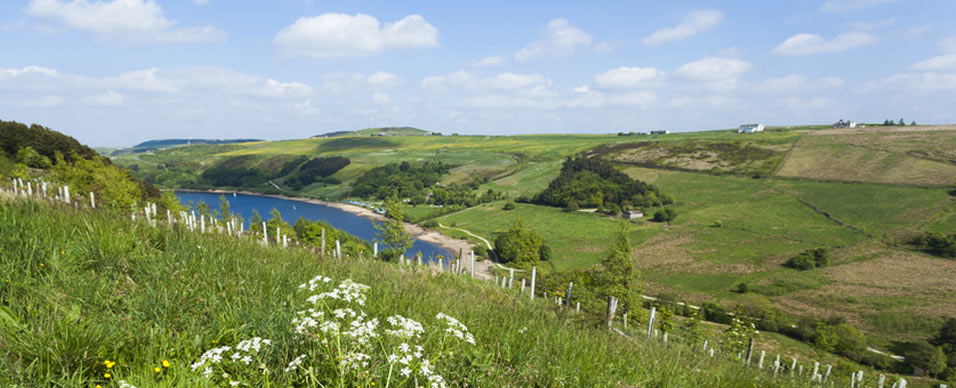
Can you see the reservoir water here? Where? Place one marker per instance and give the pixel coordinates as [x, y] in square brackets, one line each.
[291, 210]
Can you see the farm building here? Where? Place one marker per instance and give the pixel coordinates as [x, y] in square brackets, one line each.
[750, 128]
[844, 124]
[633, 214]
[661, 132]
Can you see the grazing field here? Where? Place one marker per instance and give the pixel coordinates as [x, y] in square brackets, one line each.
[892, 155]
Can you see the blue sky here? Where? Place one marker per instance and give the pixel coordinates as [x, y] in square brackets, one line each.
[114, 73]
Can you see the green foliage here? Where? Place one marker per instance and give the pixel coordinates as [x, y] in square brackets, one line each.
[743, 287]
[738, 334]
[664, 215]
[47, 142]
[593, 182]
[317, 168]
[520, 246]
[619, 276]
[114, 186]
[810, 259]
[937, 243]
[927, 357]
[277, 223]
[310, 232]
[226, 176]
[509, 206]
[398, 179]
[31, 158]
[255, 223]
[392, 231]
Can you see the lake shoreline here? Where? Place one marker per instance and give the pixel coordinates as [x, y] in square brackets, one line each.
[450, 244]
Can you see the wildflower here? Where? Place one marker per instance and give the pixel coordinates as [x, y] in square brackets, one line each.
[156, 369]
[109, 364]
[406, 328]
[405, 372]
[124, 384]
[107, 375]
[165, 364]
[295, 363]
[233, 383]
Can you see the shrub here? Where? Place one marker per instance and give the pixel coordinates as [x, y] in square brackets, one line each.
[810, 259]
[664, 215]
[715, 313]
[926, 357]
[509, 206]
[743, 288]
[937, 243]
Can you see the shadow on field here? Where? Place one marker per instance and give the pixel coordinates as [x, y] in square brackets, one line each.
[347, 143]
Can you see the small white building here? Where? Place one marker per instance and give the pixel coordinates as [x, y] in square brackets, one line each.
[633, 214]
[750, 128]
[844, 124]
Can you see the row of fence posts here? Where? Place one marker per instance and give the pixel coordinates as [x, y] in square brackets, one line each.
[40, 189]
[233, 227]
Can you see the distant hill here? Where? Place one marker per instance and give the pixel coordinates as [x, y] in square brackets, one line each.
[166, 143]
[383, 131]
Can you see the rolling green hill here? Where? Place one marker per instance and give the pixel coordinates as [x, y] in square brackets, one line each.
[745, 204]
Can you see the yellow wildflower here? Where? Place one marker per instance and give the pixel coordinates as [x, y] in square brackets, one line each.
[156, 369]
[107, 375]
[165, 364]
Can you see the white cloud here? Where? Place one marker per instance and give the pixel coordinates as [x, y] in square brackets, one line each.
[851, 5]
[108, 98]
[502, 81]
[201, 2]
[29, 70]
[127, 21]
[145, 80]
[488, 61]
[381, 98]
[382, 79]
[872, 25]
[914, 82]
[561, 38]
[804, 44]
[336, 35]
[627, 77]
[797, 82]
[947, 44]
[606, 47]
[942, 62]
[41, 103]
[694, 22]
[814, 103]
[917, 31]
[303, 108]
[713, 69]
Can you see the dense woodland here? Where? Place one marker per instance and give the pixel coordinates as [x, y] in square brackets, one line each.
[398, 179]
[45, 141]
[595, 183]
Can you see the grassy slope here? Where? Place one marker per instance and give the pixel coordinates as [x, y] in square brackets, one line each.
[88, 287]
[765, 221]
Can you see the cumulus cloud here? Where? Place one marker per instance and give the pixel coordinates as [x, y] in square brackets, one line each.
[560, 39]
[914, 82]
[381, 98]
[851, 5]
[713, 69]
[805, 44]
[108, 98]
[145, 80]
[627, 77]
[28, 70]
[797, 82]
[303, 108]
[694, 23]
[942, 62]
[126, 21]
[336, 35]
[382, 79]
[488, 61]
[42, 102]
[502, 81]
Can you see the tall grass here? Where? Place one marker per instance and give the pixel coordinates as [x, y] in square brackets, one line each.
[80, 288]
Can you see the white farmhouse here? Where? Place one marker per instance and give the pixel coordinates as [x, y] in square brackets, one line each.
[750, 128]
